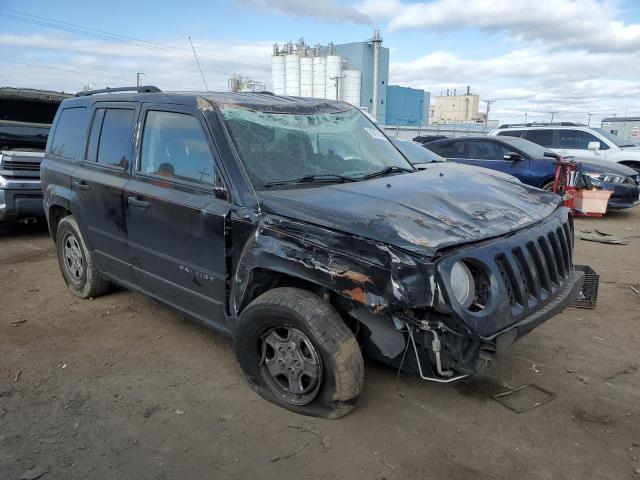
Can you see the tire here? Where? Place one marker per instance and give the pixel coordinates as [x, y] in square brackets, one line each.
[328, 351]
[76, 261]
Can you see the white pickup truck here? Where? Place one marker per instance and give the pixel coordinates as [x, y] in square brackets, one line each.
[25, 119]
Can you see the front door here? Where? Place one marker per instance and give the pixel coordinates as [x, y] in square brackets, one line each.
[176, 225]
[98, 184]
[575, 143]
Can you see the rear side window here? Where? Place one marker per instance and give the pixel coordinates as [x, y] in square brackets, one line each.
[69, 132]
[511, 133]
[174, 145]
[114, 137]
[542, 137]
[448, 149]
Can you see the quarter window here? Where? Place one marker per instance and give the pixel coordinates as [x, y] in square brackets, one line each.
[174, 146]
[511, 133]
[69, 132]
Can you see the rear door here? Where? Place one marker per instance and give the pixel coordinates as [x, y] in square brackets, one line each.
[176, 225]
[98, 184]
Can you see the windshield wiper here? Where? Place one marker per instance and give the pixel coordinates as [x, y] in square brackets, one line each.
[387, 171]
[327, 177]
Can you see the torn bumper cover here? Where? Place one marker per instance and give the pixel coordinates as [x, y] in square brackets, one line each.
[519, 282]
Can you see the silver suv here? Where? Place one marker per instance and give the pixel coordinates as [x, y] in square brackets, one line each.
[576, 140]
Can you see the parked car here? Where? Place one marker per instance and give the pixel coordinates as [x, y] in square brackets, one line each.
[295, 226]
[575, 140]
[416, 153]
[536, 165]
[25, 118]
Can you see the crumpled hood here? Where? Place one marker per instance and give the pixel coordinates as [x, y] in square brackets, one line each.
[446, 204]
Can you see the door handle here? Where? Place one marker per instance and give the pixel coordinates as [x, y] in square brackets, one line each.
[82, 185]
[142, 204]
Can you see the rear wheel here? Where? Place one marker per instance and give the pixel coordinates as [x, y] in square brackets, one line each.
[76, 261]
[297, 352]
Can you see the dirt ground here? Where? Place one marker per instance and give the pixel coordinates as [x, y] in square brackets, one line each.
[122, 387]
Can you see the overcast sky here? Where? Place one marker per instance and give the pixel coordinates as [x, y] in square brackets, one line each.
[568, 56]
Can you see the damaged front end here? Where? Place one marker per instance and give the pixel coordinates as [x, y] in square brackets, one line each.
[408, 311]
[516, 284]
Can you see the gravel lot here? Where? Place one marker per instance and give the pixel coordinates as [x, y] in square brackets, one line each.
[122, 387]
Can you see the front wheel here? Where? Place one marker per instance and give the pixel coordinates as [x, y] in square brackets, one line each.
[296, 352]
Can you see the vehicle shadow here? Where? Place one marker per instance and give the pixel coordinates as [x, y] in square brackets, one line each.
[16, 229]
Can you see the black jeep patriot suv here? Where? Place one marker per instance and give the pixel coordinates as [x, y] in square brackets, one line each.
[296, 227]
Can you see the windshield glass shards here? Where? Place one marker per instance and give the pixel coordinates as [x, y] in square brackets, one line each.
[279, 149]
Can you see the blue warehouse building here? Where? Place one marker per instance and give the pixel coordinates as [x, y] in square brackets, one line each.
[407, 106]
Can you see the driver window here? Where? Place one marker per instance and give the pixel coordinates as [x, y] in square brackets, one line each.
[174, 146]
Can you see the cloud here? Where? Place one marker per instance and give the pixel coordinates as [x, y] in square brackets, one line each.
[64, 62]
[320, 9]
[532, 79]
[584, 24]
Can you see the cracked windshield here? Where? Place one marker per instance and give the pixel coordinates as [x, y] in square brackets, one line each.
[288, 149]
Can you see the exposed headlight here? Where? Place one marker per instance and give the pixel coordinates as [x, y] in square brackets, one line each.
[462, 284]
[607, 177]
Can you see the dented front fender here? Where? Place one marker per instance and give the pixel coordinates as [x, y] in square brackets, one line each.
[371, 274]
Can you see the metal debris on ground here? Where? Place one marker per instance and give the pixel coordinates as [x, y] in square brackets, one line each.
[601, 237]
[19, 322]
[634, 289]
[524, 398]
[179, 412]
[290, 454]
[17, 376]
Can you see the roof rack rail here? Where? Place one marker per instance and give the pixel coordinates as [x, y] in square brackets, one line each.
[543, 124]
[140, 89]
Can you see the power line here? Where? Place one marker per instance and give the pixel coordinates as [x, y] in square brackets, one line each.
[116, 38]
[91, 74]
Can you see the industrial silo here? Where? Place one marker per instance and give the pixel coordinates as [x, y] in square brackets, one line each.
[350, 87]
[277, 72]
[292, 72]
[306, 76]
[319, 74]
[333, 77]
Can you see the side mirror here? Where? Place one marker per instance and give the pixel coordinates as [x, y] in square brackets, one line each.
[593, 146]
[513, 156]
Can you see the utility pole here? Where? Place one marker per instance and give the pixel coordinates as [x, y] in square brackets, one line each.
[626, 111]
[486, 119]
[337, 80]
[138, 75]
[525, 119]
[552, 115]
[589, 121]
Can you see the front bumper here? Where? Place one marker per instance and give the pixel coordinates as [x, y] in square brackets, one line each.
[564, 298]
[20, 199]
[623, 196]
